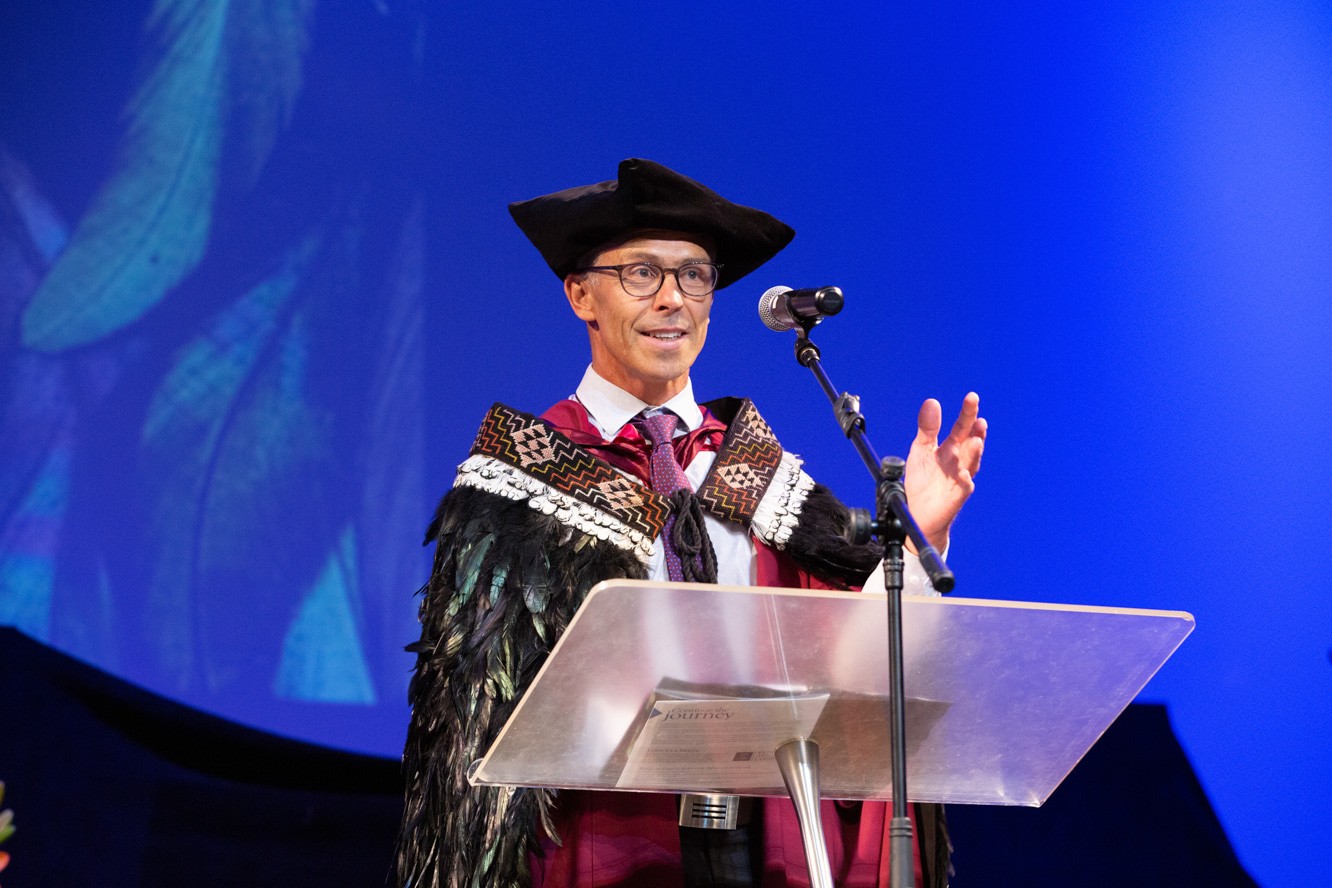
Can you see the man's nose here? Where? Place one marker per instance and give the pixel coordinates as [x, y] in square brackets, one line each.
[670, 295]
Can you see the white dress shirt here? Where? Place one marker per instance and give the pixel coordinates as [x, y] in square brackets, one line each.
[610, 408]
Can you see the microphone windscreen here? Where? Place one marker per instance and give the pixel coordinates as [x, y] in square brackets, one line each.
[771, 311]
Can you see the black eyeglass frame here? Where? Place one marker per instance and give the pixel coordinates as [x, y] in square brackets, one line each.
[619, 272]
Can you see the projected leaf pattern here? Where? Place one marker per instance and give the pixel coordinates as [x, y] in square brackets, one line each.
[211, 445]
[148, 226]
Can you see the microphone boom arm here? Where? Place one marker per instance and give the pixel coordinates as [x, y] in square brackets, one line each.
[893, 525]
[846, 408]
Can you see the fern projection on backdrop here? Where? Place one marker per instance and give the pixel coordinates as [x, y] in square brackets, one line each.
[36, 410]
[228, 441]
[212, 442]
[218, 74]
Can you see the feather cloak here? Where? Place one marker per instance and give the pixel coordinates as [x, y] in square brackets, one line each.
[506, 581]
[532, 523]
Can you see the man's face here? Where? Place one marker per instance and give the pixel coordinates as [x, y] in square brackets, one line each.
[645, 345]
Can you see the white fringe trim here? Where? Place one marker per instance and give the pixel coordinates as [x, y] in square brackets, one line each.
[489, 474]
[778, 512]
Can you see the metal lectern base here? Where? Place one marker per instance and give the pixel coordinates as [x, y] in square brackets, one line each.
[799, 764]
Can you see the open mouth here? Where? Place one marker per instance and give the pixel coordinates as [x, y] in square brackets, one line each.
[669, 336]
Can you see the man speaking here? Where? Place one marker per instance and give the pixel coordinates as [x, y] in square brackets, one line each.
[631, 477]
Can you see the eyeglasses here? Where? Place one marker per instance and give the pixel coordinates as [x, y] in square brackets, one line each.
[643, 279]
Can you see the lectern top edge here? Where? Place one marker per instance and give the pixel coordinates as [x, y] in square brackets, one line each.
[610, 585]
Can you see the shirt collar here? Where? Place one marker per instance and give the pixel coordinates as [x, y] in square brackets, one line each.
[610, 407]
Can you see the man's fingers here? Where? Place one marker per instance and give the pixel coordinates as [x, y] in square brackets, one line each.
[928, 421]
[974, 449]
[966, 417]
[966, 481]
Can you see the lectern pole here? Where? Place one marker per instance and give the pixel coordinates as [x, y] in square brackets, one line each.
[799, 764]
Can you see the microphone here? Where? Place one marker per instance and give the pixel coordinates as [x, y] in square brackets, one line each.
[782, 308]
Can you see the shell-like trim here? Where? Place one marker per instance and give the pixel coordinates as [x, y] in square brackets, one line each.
[491, 475]
[778, 512]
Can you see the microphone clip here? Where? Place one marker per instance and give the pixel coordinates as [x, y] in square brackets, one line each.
[806, 352]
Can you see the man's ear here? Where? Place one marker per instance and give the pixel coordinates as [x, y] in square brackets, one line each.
[579, 294]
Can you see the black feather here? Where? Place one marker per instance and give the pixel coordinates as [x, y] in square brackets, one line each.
[820, 542]
[495, 602]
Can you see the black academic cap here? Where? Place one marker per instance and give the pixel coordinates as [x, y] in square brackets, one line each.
[567, 225]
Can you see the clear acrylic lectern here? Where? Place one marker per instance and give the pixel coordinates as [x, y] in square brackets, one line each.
[677, 687]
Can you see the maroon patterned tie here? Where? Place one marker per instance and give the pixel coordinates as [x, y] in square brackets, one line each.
[667, 477]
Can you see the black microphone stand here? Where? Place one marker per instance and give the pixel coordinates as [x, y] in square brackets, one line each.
[893, 524]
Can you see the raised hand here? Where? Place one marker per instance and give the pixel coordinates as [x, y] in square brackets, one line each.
[940, 475]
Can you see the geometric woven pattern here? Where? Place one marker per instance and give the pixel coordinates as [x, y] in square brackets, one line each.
[752, 482]
[526, 443]
[745, 466]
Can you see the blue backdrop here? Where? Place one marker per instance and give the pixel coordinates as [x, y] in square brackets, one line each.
[258, 284]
